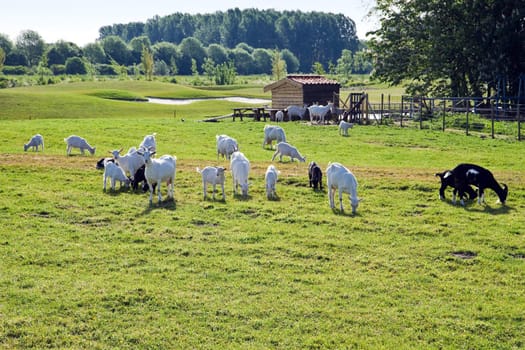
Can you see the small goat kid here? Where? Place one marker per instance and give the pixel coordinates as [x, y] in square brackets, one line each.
[285, 149]
[341, 179]
[271, 179]
[75, 141]
[448, 180]
[214, 176]
[35, 141]
[315, 176]
[158, 170]
[240, 167]
[115, 173]
[344, 126]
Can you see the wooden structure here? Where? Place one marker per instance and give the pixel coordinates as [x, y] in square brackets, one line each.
[303, 89]
[251, 112]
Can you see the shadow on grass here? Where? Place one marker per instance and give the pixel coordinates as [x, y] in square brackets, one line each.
[345, 213]
[240, 197]
[167, 204]
[473, 206]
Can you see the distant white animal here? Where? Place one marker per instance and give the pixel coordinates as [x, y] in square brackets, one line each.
[341, 179]
[149, 143]
[344, 126]
[226, 145]
[279, 116]
[214, 176]
[320, 112]
[75, 141]
[271, 179]
[273, 133]
[296, 112]
[240, 167]
[130, 162]
[158, 170]
[115, 173]
[285, 149]
[35, 141]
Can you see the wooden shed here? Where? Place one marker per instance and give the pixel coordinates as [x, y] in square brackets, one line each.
[303, 89]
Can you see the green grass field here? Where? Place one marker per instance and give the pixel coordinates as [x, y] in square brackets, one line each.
[86, 269]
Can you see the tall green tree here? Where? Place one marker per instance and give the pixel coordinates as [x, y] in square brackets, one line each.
[116, 49]
[147, 62]
[467, 43]
[5, 43]
[2, 59]
[278, 66]
[31, 44]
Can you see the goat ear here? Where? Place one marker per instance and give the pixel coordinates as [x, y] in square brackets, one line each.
[152, 153]
[120, 150]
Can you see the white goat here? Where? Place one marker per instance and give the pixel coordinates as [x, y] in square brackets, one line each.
[75, 141]
[226, 145]
[320, 112]
[271, 179]
[158, 170]
[271, 133]
[240, 167]
[344, 126]
[149, 143]
[212, 175]
[36, 140]
[339, 177]
[279, 116]
[115, 173]
[285, 149]
[130, 162]
[296, 111]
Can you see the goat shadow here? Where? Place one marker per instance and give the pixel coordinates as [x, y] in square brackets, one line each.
[166, 204]
[116, 191]
[349, 214]
[241, 197]
[473, 206]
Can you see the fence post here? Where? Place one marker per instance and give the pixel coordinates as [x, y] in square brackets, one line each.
[382, 107]
[467, 126]
[492, 117]
[420, 112]
[402, 109]
[444, 106]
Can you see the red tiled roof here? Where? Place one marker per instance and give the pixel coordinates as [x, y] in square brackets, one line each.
[310, 79]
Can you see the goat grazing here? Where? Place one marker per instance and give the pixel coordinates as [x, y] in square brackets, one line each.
[226, 145]
[271, 133]
[285, 149]
[149, 143]
[296, 113]
[340, 178]
[115, 173]
[75, 141]
[240, 167]
[320, 112]
[315, 176]
[214, 176]
[35, 141]
[158, 170]
[271, 179]
[471, 174]
[130, 162]
[344, 126]
[448, 180]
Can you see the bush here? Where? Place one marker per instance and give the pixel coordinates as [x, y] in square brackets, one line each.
[15, 70]
[105, 69]
[58, 69]
[75, 65]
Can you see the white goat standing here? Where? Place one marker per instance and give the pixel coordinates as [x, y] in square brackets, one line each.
[36, 140]
[212, 175]
[271, 179]
[130, 162]
[271, 133]
[75, 141]
[149, 143]
[240, 167]
[115, 173]
[158, 170]
[279, 116]
[320, 112]
[296, 111]
[226, 145]
[344, 126]
[285, 149]
[339, 177]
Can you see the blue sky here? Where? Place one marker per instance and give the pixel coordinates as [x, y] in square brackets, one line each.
[79, 21]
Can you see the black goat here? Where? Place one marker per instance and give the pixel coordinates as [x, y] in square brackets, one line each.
[471, 174]
[140, 177]
[448, 180]
[102, 162]
[315, 175]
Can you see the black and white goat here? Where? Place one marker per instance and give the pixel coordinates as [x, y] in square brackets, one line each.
[472, 174]
[448, 180]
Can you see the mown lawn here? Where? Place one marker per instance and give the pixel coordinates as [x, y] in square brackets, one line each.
[81, 268]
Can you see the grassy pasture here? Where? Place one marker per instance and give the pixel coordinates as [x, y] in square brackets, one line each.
[81, 268]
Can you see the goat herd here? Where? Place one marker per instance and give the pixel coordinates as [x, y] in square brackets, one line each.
[143, 168]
